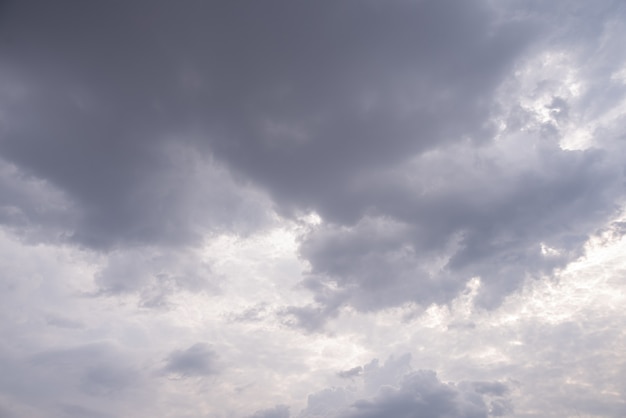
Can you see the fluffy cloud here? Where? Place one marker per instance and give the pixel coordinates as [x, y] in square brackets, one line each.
[395, 389]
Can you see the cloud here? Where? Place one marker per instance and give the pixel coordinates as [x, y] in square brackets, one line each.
[419, 395]
[395, 389]
[311, 317]
[79, 411]
[492, 388]
[58, 321]
[279, 411]
[107, 117]
[31, 207]
[460, 210]
[199, 360]
[98, 378]
[399, 125]
[325, 403]
[95, 366]
[155, 274]
[487, 220]
[312, 185]
[353, 372]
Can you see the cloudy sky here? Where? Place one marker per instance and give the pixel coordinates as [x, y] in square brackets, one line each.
[312, 209]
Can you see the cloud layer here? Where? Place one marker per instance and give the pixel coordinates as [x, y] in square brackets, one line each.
[229, 209]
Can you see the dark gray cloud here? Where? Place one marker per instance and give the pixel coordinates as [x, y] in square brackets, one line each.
[291, 95]
[196, 361]
[350, 91]
[88, 126]
[461, 211]
[160, 133]
[487, 221]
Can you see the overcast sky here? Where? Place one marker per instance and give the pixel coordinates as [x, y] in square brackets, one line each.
[312, 209]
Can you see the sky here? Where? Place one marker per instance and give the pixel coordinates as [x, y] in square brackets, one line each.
[312, 209]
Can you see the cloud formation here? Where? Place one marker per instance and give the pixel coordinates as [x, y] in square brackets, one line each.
[228, 209]
[279, 411]
[391, 123]
[197, 360]
[395, 389]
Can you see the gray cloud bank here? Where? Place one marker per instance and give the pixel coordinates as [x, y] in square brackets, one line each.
[382, 119]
